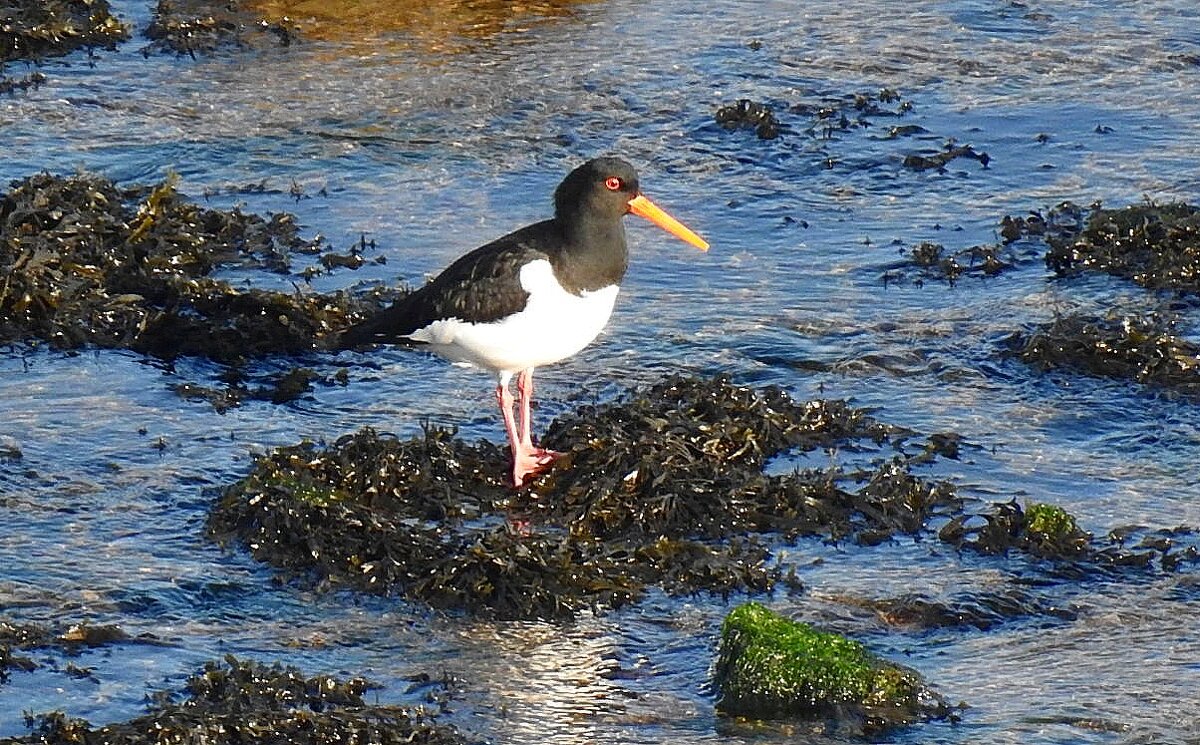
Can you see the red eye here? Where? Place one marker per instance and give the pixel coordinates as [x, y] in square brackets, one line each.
[612, 183]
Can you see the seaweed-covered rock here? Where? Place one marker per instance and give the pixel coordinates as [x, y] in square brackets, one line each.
[241, 703]
[84, 262]
[771, 667]
[1156, 246]
[665, 488]
[203, 26]
[36, 29]
[1049, 532]
[1142, 349]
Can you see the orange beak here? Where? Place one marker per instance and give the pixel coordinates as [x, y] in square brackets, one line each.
[643, 207]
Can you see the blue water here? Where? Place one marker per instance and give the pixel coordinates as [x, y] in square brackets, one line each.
[433, 138]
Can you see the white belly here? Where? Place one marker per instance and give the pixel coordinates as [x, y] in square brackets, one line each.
[553, 326]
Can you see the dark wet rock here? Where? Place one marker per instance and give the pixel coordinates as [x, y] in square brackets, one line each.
[747, 114]
[981, 609]
[85, 262]
[1144, 349]
[1050, 533]
[241, 702]
[1156, 246]
[771, 667]
[665, 488]
[238, 386]
[939, 161]
[33, 80]
[905, 130]
[35, 30]
[194, 27]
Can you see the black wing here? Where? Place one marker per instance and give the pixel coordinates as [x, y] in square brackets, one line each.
[482, 286]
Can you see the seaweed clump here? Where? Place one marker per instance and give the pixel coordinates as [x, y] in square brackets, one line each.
[1051, 533]
[939, 160]
[1156, 246]
[26, 637]
[665, 488]
[1142, 349]
[933, 262]
[771, 667]
[52, 28]
[747, 114]
[247, 702]
[84, 262]
[201, 26]
[831, 114]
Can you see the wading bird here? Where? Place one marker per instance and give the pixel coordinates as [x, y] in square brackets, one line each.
[533, 297]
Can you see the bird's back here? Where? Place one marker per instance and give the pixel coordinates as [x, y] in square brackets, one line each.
[480, 287]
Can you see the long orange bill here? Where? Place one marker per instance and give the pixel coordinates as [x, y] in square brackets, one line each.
[643, 207]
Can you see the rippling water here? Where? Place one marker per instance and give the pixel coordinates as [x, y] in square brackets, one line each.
[432, 131]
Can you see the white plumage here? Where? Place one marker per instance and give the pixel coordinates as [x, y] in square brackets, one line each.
[554, 325]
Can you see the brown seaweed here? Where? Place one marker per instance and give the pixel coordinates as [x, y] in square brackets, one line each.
[34, 31]
[665, 488]
[240, 701]
[87, 263]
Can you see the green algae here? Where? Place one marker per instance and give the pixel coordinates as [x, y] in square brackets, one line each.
[769, 667]
[1049, 522]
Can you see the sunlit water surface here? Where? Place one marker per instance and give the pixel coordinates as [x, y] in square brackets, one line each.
[433, 133]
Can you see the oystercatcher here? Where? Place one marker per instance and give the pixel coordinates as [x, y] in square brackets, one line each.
[533, 297]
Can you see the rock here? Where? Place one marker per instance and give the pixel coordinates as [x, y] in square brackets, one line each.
[771, 667]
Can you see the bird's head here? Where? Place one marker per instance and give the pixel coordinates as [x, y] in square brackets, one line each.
[607, 188]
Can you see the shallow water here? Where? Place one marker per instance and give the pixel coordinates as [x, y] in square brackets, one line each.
[432, 135]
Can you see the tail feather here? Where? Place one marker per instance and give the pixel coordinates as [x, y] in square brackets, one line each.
[385, 327]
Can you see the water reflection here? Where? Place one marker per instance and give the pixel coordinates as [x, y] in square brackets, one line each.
[438, 26]
[551, 683]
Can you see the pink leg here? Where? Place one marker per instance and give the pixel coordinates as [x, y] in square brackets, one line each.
[525, 390]
[527, 460]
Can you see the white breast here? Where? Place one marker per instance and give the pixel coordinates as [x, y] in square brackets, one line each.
[553, 326]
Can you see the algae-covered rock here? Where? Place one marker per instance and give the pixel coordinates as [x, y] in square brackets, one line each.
[1051, 533]
[67, 640]
[243, 703]
[772, 667]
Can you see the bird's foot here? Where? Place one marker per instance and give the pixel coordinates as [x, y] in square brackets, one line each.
[529, 463]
